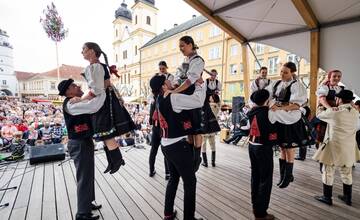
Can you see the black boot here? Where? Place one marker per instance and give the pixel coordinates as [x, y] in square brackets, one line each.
[288, 177]
[302, 153]
[197, 158]
[108, 168]
[326, 198]
[213, 154]
[282, 170]
[347, 191]
[321, 166]
[116, 159]
[204, 159]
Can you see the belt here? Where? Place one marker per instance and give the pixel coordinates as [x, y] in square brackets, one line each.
[280, 104]
[255, 140]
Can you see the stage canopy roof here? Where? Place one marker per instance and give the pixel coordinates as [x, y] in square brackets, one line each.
[287, 24]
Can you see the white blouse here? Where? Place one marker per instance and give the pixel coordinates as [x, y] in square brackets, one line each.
[94, 75]
[298, 96]
[263, 82]
[323, 90]
[196, 67]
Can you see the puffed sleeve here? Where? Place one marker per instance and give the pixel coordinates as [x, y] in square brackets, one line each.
[94, 75]
[196, 67]
[323, 90]
[219, 87]
[253, 87]
[171, 78]
[270, 88]
[298, 94]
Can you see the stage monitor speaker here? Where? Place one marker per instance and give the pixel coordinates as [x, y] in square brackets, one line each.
[238, 102]
[46, 153]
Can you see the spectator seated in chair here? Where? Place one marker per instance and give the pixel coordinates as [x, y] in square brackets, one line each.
[239, 131]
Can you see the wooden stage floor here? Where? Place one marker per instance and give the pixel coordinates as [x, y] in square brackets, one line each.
[48, 191]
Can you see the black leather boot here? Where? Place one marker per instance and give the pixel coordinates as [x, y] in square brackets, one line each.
[108, 158]
[204, 159]
[213, 154]
[116, 159]
[302, 153]
[327, 197]
[288, 177]
[282, 170]
[347, 191]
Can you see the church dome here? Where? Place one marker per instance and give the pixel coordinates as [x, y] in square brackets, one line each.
[151, 2]
[123, 12]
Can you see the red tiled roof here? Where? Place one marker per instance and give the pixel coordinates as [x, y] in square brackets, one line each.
[66, 71]
[23, 75]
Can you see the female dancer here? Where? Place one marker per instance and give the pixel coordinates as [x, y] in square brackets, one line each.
[190, 91]
[112, 119]
[288, 95]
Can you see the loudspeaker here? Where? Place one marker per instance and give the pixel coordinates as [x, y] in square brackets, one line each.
[238, 102]
[46, 153]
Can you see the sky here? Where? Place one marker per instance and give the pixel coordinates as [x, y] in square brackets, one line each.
[87, 20]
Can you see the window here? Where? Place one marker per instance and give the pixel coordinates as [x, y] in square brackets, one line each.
[214, 53]
[241, 88]
[116, 58]
[199, 36]
[214, 31]
[233, 50]
[241, 68]
[273, 63]
[1, 69]
[135, 19]
[136, 50]
[52, 85]
[148, 20]
[164, 48]
[257, 65]
[174, 44]
[292, 58]
[259, 48]
[129, 78]
[116, 32]
[4, 82]
[233, 69]
[125, 54]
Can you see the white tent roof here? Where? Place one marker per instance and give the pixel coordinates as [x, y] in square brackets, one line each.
[279, 23]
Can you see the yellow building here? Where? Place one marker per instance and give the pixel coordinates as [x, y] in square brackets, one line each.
[219, 51]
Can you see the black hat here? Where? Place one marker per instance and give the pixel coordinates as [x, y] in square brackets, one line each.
[163, 63]
[64, 85]
[259, 97]
[345, 95]
[156, 82]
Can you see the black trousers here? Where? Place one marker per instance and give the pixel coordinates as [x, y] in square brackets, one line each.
[181, 164]
[155, 143]
[358, 138]
[262, 165]
[82, 152]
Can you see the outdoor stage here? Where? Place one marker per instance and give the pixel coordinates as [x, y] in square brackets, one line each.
[48, 191]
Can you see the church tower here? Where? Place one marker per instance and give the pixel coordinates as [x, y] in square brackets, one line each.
[132, 29]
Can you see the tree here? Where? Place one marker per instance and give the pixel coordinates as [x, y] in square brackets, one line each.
[54, 28]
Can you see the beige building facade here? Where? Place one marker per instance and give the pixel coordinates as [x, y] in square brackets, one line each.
[220, 52]
[132, 29]
[45, 84]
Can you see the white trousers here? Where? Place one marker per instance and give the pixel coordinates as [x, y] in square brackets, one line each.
[328, 173]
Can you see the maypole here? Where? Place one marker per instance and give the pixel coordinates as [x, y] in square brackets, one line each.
[54, 28]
